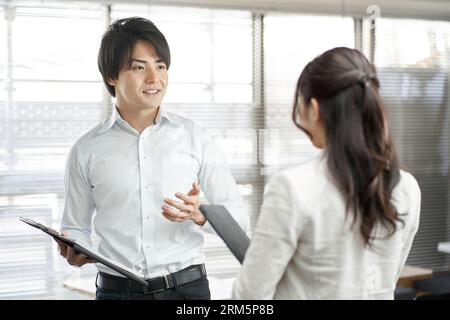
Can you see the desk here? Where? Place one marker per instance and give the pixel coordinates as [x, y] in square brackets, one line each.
[444, 247]
[410, 274]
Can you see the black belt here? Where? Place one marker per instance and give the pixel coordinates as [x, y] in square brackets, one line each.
[189, 274]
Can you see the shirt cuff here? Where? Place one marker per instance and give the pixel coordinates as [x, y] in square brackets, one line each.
[207, 227]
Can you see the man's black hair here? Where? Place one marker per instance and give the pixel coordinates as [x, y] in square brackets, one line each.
[118, 43]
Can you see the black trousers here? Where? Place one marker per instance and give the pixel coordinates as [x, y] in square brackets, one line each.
[195, 290]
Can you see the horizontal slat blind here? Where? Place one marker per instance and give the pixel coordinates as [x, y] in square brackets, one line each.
[290, 42]
[51, 94]
[413, 60]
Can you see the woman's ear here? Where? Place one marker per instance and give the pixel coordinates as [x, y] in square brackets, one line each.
[112, 82]
[314, 110]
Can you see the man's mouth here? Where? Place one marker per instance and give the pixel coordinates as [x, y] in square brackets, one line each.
[151, 91]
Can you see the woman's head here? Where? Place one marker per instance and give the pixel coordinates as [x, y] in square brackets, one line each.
[338, 81]
[338, 105]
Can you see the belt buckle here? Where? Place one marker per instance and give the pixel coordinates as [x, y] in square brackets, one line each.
[166, 285]
[166, 281]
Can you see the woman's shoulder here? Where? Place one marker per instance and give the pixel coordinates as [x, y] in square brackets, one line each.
[406, 194]
[408, 182]
[304, 175]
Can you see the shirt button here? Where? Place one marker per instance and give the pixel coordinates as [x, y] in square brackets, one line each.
[148, 218]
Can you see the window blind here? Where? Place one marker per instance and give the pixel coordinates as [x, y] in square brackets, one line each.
[290, 42]
[50, 95]
[412, 59]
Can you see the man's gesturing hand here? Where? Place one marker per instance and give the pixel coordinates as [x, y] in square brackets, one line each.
[187, 210]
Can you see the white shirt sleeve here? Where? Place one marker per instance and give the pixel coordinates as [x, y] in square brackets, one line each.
[79, 203]
[273, 245]
[219, 185]
[415, 196]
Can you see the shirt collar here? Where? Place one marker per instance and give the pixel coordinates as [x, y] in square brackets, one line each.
[115, 116]
[164, 114]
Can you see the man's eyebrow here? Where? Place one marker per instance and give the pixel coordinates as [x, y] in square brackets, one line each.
[137, 60]
[145, 61]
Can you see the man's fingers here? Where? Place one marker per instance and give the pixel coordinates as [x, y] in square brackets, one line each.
[185, 198]
[62, 247]
[168, 216]
[71, 256]
[78, 259]
[171, 218]
[173, 215]
[82, 259]
[195, 189]
[88, 260]
[187, 208]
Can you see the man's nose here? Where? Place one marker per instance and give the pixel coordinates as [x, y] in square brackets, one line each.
[151, 75]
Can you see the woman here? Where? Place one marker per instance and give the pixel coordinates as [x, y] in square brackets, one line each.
[340, 226]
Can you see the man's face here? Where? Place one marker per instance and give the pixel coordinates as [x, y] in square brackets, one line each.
[142, 82]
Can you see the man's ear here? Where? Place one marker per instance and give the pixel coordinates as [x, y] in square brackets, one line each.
[315, 110]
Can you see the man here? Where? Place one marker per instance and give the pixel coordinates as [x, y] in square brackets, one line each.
[132, 170]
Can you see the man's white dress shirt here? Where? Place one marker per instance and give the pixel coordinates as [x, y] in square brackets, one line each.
[116, 180]
[303, 246]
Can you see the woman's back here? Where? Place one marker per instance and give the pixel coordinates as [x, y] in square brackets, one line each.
[331, 258]
[303, 222]
[341, 225]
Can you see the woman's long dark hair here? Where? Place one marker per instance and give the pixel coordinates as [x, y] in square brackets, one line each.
[360, 154]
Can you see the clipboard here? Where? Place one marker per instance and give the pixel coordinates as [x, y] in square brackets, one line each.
[127, 272]
[227, 228]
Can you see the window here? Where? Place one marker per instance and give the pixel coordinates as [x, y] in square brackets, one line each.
[413, 60]
[304, 38]
[53, 95]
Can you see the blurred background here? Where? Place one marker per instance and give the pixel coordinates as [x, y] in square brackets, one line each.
[234, 69]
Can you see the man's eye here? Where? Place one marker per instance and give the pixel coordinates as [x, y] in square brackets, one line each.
[162, 67]
[138, 68]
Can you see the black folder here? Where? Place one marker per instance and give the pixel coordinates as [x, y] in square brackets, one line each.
[127, 272]
[227, 228]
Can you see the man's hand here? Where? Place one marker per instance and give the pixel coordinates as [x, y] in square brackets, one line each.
[73, 258]
[187, 210]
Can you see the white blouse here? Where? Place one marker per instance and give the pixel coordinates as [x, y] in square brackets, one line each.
[304, 247]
